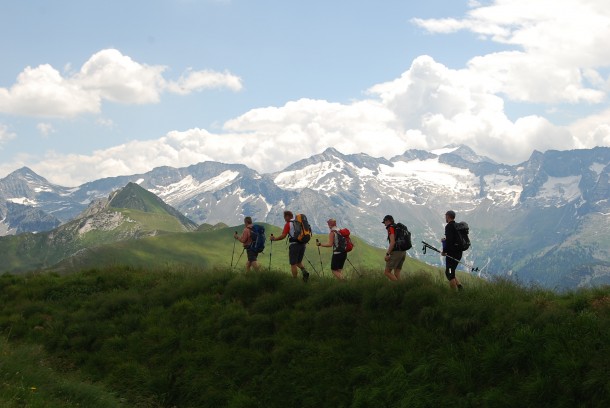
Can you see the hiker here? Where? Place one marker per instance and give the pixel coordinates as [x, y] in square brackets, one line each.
[246, 240]
[451, 250]
[394, 257]
[339, 256]
[296, 250]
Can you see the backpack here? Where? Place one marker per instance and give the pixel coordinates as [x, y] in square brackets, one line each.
[302, 229]
[257, 233]
[462, 233]
[344, 242]
[402, 238]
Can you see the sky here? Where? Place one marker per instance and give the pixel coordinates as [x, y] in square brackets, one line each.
[92, 89]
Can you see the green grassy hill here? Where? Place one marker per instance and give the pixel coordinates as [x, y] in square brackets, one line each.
[216, 248]
[128, 214]
[201, 338]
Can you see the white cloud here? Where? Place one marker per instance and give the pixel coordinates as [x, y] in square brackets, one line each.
[200, 80]
[43, 92]
[559, 46]
[45, 129]
[108, 75]
[117, 78]
[5, 134]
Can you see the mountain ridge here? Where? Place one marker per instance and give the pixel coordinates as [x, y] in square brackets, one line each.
[512, 209]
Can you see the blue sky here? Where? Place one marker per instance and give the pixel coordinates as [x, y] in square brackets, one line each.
[90, 89]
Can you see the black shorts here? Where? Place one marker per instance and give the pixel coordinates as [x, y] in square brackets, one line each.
[337, 261]
[451, 265]
[252, 255]
[296, 252]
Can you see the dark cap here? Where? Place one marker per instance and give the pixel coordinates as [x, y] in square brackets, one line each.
[451, 214]
[386, 218]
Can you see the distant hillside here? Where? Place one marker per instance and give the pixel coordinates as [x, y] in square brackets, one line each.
[127, 214]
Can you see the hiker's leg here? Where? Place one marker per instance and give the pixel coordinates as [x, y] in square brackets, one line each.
[388, 273]
[401, 255]
[338, 274]
[294, 259]
[336, 264]
[256, 266]
[392, 263]
[293, 269]
[248, 264]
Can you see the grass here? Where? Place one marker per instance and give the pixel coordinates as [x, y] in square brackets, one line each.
[193, 337]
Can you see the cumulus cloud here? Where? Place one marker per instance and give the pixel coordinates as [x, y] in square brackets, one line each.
[108, 75]
[559, 46]
[200, 80]
[43, 92]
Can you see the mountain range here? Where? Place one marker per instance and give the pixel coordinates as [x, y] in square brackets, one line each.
[543, 221]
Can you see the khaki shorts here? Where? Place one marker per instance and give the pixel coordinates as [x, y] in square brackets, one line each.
[397, 258]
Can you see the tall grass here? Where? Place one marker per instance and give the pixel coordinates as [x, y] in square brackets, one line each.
[194, 338]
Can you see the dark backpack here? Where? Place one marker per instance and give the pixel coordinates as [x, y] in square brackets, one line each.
[344, 242]
[402, 238]
[257, 233]
[462, 233]
[302, 229]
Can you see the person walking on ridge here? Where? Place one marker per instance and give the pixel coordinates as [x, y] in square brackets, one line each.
[338, 259]
[394, 258]
[451, 250]
[246, 240]
[296, 250]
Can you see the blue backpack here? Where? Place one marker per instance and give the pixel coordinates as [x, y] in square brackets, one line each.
[257, 232]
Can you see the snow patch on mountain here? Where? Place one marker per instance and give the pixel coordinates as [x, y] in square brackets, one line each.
[444, 150]
[23, 201]
[189, 187]
[308, 176]
[560, 189]
[597, 168]
[503, 189]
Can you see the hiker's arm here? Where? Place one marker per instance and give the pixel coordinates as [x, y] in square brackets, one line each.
[284, 233]
[331, 240]
[392, 243]
[244, 236]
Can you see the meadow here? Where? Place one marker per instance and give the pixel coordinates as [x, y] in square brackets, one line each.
[195, 337]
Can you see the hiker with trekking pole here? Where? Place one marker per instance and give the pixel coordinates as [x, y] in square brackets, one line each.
[298, 231]
[399, 241]
[339, 244]
[252, 239]
[453, 246]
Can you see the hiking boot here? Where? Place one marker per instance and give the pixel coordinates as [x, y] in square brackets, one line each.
[460, 287]
[305, 275]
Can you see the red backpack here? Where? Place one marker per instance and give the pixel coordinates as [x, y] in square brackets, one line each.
[344, 242]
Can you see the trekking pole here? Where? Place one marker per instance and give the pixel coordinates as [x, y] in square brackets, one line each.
[242, 252]
[320, 255]
[312, 267]
[233, 253]
[270, 251]
[356, 270]
[428, 246]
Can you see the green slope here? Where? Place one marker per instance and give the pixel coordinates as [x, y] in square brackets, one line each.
[129, 213]
[203, 338]
[217, 248]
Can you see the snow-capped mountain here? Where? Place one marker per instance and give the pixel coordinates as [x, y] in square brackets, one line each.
[544, 220]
